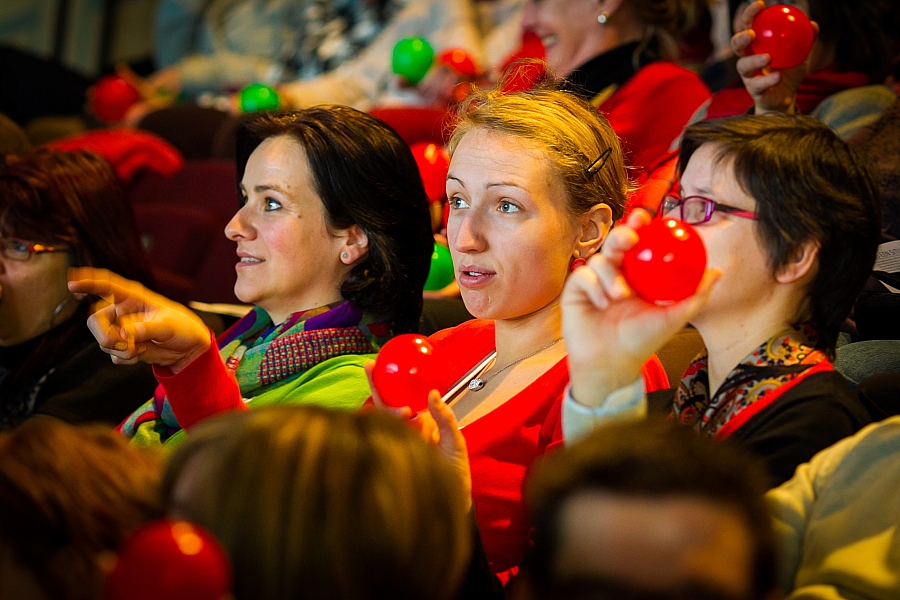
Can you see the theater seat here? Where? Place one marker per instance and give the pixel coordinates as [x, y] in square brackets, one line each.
[201, 187]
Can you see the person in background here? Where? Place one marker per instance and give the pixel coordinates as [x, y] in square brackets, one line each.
[648, 510]
[62, 210]
[316, 503]
[857, 47]
[614, 54]
[788, 272]
[71, 495]
[334, 240]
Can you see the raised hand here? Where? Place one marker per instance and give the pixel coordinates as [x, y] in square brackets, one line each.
[132, 323]
[609, 332]
[772, 90]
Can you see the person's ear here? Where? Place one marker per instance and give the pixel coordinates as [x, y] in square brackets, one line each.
[595, 225]
[801, 264]
[355, 245]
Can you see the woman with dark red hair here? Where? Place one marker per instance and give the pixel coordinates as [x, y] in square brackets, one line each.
[61, 210]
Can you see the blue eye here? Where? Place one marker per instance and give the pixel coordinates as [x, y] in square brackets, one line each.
[508, 207]
[457, 202]
[272, 204]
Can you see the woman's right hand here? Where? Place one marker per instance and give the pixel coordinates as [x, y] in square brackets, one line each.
[610, 333]
[134, 324]
[772, 90]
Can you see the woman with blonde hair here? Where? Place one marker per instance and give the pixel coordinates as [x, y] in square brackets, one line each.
[536, 180]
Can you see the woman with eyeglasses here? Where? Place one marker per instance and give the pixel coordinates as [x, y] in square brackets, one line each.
[60, 210]
[790, 220]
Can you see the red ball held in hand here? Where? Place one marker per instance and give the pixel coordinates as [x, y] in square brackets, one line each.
[170, 560]
[667, 263]
[785, 34]
[406, 369]
[112, 97]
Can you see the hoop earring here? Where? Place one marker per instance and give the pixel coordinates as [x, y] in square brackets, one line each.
[59, 308]
[603, 17]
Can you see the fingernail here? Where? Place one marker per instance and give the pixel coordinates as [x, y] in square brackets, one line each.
[121, 346]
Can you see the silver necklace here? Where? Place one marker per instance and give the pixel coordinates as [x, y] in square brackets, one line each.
[478, 382]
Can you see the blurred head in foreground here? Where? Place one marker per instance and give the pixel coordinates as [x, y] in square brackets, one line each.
[315, 503]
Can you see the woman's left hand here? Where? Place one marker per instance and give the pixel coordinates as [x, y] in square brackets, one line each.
[772, 90]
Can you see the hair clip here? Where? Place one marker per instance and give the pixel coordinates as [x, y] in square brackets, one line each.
[601, 160]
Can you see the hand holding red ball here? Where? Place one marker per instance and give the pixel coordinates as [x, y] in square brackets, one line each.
[667, 263]
[406, 369]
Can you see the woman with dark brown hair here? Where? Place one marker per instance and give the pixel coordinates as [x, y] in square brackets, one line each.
[62, 210]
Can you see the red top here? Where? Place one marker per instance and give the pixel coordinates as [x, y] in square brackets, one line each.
[649, 110]
[505, 443]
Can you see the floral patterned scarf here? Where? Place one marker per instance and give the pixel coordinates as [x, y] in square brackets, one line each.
[262, 355]
[770, 370]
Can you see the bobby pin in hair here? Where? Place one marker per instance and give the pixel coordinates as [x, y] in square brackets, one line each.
[598, 164]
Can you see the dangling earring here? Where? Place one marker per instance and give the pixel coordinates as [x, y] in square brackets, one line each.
[603, 17]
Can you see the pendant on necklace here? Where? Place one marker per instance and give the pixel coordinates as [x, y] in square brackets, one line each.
[476, 384]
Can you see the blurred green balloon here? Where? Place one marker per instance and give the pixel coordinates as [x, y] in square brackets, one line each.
[258, 96]
[441, 273]
[412, 58]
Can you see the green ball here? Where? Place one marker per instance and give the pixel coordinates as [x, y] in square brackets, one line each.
[258, 96]
[441, 273]
[412, 58]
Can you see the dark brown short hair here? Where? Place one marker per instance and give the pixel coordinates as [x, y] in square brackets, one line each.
[654, 458]
[809, 186]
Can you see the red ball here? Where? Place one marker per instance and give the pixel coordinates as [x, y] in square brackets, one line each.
[112, 97]
[170, 560]
[785, 34]
[406, 369]
[667, 263]
[433, 162]
[460, 61]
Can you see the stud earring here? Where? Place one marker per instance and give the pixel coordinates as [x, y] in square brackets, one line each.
[578, 262]
[345, 255]
[603, 17]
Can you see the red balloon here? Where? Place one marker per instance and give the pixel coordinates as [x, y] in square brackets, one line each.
[784, 33]
[667, 263]
[406, 369]
[433, 162]
[170, 560]
[460, 61]
[112, 97]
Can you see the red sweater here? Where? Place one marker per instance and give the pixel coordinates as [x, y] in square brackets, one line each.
[505, 443]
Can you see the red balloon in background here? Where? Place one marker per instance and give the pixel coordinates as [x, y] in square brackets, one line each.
[460, 61]
[785, 34]
[112, 97]
[170, 560]
[406, 369]
[433, 162]
[667, 263]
